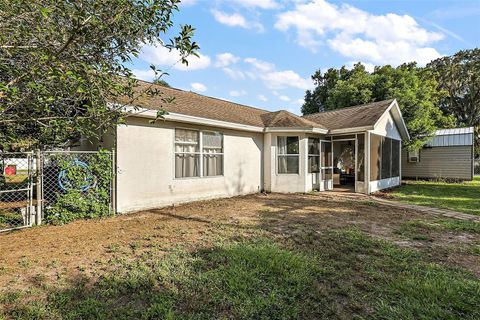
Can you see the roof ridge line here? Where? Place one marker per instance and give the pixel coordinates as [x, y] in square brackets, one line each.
[202, 95]
[346, 108]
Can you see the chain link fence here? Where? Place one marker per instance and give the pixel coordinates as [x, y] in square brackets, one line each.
[16, 190]
[55, 187]
[76, 185]
[476, 167]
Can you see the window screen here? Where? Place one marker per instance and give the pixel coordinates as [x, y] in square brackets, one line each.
[395, 158]
[313, 155]
[361, 157]
[326, 154]
[375, 156]
[386, 158]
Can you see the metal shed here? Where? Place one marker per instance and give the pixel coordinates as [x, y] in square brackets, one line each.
[448, 155]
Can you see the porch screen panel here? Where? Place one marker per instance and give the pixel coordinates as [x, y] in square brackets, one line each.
[212, 153]
[288, 155]
[386, 158]
[395, 158]
[375, 156]
[326, 156]
[313, 155]
[187, 153]
[361, 158]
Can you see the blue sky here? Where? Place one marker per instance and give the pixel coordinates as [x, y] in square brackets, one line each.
[263, 52]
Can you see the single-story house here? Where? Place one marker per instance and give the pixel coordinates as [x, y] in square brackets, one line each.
[449, 154]
[210, 148]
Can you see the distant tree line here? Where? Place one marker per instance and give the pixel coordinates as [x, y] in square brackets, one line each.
[443, 94]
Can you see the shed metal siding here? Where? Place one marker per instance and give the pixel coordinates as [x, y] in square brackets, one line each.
[451, 140]
[454, 162]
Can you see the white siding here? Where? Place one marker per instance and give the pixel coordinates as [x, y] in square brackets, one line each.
[145, 161]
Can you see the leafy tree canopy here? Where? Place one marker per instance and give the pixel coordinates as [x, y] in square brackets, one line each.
[414, 88]
[61, 61]
[161, 82]
[459, 77]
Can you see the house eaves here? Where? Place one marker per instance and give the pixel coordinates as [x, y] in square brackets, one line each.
[394, 110]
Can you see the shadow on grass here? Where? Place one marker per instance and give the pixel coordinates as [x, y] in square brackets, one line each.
[341, 274]
[462, 197]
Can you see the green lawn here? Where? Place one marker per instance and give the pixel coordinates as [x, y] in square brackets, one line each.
[348, 274]
[462, 197]
[259, 257]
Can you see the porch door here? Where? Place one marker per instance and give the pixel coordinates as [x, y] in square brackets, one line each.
[360, 161]
[326, 165]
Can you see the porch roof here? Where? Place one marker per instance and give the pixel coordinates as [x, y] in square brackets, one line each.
[351, 117]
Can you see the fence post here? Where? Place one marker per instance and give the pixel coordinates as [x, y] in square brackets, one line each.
[38, 196]
[114, 182]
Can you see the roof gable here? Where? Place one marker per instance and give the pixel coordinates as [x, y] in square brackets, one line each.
[285, 119]
[351, 117]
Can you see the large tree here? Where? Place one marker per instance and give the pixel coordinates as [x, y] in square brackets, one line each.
[62, 61]
[459, 77]
[414, 88]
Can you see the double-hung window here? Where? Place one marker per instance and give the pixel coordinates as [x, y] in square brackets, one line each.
[198, 153]
[212, 153]
[288, 155]
[187, 153]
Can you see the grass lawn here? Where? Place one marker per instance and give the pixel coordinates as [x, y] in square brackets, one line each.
[462, 197]
[254, 257]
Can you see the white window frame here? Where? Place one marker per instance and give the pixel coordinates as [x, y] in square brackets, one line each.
[288, 155]
[217, 154]
[200, 153]
[314, 155]
[414, 157]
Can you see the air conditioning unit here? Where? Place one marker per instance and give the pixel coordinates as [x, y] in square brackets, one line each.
[414, 156]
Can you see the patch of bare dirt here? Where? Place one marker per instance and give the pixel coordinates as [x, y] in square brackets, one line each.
[85, 246]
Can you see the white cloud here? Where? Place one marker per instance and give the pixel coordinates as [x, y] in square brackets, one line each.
[299, 102]
[261, 97]
[260, 65]
[234, 74]
[225, 59]
[262, 4]
[237, 93]
[236, 20]
[284, 98]
[188, 3]
[284, 79]
[275, 79]
[160, 55]
[199, 87]
[358, 34]
[146, 74]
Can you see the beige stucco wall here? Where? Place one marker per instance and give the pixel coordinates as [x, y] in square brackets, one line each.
[288, 183]
[145, 161]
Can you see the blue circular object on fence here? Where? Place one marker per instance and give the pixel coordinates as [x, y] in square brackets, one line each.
[88, 183]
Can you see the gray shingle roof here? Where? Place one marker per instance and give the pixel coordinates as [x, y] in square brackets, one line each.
[351, 117]
[193, 104]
